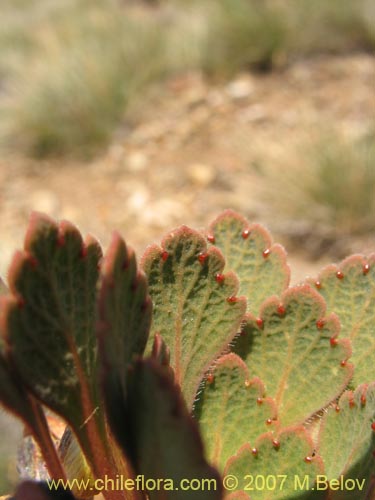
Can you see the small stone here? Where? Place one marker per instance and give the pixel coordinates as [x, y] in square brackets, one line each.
[253, 114]
[136, 161]
[116, 153]
[137, 200]
[45, 201]
[216, 99]
[162, 213]
[201, 174]
[240, 88]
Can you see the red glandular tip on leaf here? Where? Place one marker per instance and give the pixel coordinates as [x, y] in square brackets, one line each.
[193, 266]
[333, 341]
[281, 310]
[299, 302]
[353, 279]
[320, 324]
[266, 253]
[202, 257]
[219, 277]
[245, 233]
[84, 252]
[243, 244]
[260, 323]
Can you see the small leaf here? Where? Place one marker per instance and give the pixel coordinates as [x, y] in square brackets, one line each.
[349, 291]
[164, 441]
[49, 328]
[49, 321]
[196, 313]
[283, 466]
[347, 441]
[232, 410]
[124, 323]
[260, 265]
[296, 353]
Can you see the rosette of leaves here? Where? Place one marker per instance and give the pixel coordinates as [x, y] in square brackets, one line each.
[279, 404]
[211, 328]
[73, 327]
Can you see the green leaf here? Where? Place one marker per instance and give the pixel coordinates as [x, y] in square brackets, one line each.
[164, 441]
[347, 443]
[232, 410]
[49, 321]
[294, 349]
[49, 326]
[248, 250]
[195, 306]
[278, 467]
[124, 323]
[349, 291]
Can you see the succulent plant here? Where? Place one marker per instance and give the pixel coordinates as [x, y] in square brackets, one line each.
[199, 374]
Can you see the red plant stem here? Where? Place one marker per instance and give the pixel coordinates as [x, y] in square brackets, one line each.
[42, 436]
[104, 465]
[98, 452]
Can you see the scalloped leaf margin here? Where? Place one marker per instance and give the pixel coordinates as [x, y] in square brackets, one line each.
[232, 409]
[349, 290]
[195, 306]
[260, 265]
[294, 348]
[277, 467]
[346, 442]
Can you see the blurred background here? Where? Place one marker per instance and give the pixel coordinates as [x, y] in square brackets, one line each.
[143, 115]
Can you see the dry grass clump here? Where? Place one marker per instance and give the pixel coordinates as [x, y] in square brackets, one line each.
[334, 188]
[69, 71]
